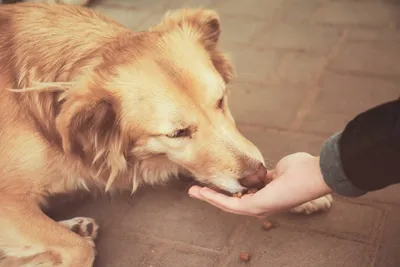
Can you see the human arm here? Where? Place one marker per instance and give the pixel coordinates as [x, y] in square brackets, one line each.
[364, 157]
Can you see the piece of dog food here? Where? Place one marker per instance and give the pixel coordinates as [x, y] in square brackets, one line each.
[244, 256]
[238, 194]
[267, 225]
[252, 191]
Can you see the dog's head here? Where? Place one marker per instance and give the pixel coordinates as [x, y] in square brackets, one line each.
[162, 95]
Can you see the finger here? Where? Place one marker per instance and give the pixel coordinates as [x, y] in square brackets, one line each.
[271, 175]
[194, 191]
[240, 206]
[245, 205]
[237, 212]
[220, 199]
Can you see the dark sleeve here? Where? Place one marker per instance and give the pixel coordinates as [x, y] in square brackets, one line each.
[366, 155]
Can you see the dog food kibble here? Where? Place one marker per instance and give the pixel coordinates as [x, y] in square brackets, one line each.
[267, 225]
[244, 256]
[239, 194]
[252, 191]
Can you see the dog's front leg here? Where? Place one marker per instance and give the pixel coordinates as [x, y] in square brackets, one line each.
[32, 238]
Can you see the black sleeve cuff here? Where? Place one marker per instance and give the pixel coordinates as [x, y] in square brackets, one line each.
[332, 169]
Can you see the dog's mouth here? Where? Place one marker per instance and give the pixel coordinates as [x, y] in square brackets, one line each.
[192, 181]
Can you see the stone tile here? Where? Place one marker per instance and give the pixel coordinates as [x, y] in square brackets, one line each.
[158, 14]
[105, 210]
[387, 195]
[351, 95]
[258, 9]
[342, 97]
[372, 34]
[388, 254]
[369, 58]
[127, 17]
[176, 4]
[137, 4]
[320, 122]
[151, 21]
[276, 144]
[119, 248]
[285, 247]
[183, 257]
[348, 220]
[303, 37]
[373, 13]
[253, 65]
[239, 30]
[301, 10]
[299, 68]
[262, 104]
[177, 217]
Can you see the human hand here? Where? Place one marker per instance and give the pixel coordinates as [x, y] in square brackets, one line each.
[296, 179]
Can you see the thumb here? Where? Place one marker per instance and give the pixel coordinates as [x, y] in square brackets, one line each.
[271, 175]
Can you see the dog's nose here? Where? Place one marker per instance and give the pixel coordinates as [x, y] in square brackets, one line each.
[256, 179]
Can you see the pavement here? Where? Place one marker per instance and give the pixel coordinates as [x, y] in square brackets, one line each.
[305, 68]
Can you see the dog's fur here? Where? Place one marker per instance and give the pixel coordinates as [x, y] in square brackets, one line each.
[85, 102]
[66, 2]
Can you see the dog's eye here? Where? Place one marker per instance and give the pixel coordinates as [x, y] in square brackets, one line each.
[180, 133]
[220, 103]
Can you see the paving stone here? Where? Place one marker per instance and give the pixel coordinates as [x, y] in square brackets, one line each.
[324, 123]
[286, 247]
[347, 94]
[127, 17]
[301, 10]
[119, 248]
[253, 8]
[239, 30]
[177, 217]
[262, 104]
[303, 37]
[276, 144]
[373, 59]
[387, 195]
[373, 34]
[388, 254]
[166, 6]
[342, 97]
[352, 221]
[185, 257]
[176, 4]
[137, 4]
[105, 210]
[151, 21]
[373, 13]
[299, 68]
[253, 65]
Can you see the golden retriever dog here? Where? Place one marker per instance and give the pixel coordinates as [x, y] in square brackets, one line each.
[88, 103]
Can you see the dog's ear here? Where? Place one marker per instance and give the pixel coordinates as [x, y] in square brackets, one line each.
[202, 24]
[86, 123]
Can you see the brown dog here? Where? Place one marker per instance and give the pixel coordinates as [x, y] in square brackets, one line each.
[85, 102]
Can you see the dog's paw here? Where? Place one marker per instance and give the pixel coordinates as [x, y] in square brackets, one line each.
[320, 204]
[85, 227]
